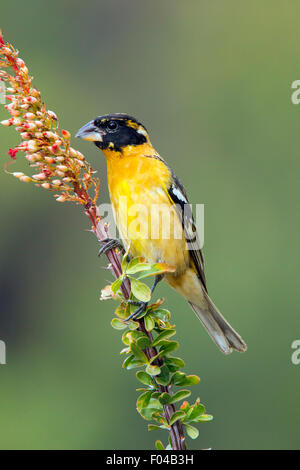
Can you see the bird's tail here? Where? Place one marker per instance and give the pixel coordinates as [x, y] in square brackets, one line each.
[225, 337]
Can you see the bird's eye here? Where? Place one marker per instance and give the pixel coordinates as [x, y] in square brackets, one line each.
[97, 122]
[112, 125]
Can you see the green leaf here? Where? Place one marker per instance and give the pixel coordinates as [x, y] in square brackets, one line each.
[176, 416]
[168, 347]
[191, 431]
[195, 411]
[153, 407]
[125, 351]
[153, 427]
[149, 322]
[190, 380]
[130, 363]
[174, 363]
[141, 339]
[143, 342]
[183, 380]
[143, 400]
[159, 445]
[134, 363]
[147, 413]
[133, 325]
[158, 268]
[125, 338]
[166, 333]
[122, 311]
[118, 324]
[163, 342]
[152, 370]
[161, 313]
[127, 361]
[116, 284]
[135, 335]
[178, 377]
[140, 290]
[165, 398]
[139, 354]
[159, 418]
[204, 418]
[180, 395]
[137, 265]
[164, 376]
[145, 378]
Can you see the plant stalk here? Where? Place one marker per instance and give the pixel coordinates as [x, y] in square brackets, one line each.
[100, 229]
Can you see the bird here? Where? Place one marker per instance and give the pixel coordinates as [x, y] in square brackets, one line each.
[138, 177]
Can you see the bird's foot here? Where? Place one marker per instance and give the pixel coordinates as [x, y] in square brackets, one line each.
[142, 306]
[109, 244]
[141, 309]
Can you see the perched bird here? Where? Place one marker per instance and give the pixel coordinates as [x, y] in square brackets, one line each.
[147, 199]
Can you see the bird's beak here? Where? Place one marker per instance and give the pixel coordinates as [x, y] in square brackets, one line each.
[90, 132]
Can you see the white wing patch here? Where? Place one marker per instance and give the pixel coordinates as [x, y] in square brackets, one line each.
[176, 191]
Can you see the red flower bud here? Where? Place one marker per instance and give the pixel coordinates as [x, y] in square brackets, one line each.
[13, 153]
[29, 116]
[52, 115]
[47, 172]
[25, 179]
[30, 99]
[62, 168]
[7, 123]
[66, 134]
[25, 135]
[61, 199]
[29, 125]
[14, 112]
[39, 177]
[53, 148]
[49, 160]
[34, 92]
[20, 62]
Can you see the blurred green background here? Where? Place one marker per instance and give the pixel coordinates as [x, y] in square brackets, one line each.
[212, 82]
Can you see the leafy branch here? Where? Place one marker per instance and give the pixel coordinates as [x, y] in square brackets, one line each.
[148, 345]
[57, 167]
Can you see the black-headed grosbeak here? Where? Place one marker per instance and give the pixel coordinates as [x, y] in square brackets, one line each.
[139, 178]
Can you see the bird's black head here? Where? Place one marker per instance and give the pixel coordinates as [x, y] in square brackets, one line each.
[114, 132]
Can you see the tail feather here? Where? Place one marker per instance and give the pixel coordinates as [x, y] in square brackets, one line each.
[225, 337]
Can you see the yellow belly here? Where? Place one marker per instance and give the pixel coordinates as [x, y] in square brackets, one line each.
[146, 218]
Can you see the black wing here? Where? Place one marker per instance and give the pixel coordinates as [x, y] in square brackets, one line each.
[178, 195]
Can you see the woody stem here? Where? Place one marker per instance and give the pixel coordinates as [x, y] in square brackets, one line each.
[101, 231]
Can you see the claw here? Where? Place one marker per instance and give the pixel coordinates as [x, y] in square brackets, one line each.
[138, 311]
[110, 243]
[142, 305]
